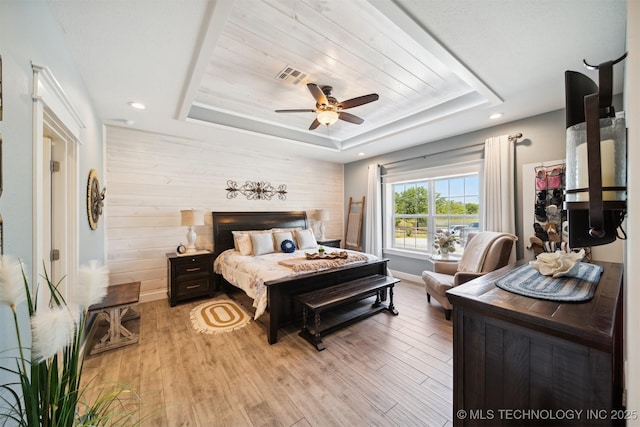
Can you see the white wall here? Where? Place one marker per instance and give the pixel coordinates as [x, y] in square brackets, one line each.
[632, 269]
[151, 177]
[29, 34]
[543, 140]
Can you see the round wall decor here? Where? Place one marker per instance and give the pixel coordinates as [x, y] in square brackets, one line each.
[95, 199]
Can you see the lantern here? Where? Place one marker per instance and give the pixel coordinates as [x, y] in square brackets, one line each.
[596, 192]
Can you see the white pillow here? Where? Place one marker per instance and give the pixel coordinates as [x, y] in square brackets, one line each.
[279, 237]
[290, 229]
[306, 239]
[262, 243]
[243, 241]
[240, 232]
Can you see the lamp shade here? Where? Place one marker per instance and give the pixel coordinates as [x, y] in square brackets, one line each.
[192, 217]
[323, 214]
[327, 117]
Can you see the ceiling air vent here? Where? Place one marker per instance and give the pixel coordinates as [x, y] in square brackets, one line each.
[290, 74]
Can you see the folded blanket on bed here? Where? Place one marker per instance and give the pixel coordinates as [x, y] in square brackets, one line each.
[304, 264]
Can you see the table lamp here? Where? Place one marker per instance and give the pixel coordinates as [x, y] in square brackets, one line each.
[191, 218]
[323, 215]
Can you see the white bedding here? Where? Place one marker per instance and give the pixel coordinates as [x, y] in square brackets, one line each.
[250, 272]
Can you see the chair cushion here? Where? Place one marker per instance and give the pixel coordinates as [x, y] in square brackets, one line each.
[437, 282]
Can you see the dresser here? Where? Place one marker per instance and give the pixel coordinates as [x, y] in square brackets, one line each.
[189, 276]
[525, 361]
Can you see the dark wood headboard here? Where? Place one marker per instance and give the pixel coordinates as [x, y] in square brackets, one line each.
[226, 222]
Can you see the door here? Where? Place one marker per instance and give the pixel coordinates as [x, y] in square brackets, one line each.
[55, 196]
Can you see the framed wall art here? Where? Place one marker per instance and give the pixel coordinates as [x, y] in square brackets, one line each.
[95, 199]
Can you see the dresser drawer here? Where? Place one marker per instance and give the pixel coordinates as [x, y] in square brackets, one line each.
[192, 288]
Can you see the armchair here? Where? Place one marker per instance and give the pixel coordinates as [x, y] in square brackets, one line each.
[485, 251]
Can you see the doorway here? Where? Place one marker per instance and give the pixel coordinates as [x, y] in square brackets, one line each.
[57, 153]
[56, 131]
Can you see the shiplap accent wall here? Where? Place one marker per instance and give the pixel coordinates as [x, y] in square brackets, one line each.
[151, 177]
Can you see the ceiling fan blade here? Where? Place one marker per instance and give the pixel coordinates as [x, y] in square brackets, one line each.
[317, 93]
[354, 102]
[314, 124]
[295, 111]
[347, 117]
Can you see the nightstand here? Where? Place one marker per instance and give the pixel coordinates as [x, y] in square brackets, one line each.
[189, 276]
[332, 243]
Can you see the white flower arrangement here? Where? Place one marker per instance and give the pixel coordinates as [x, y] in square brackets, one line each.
[49, 391]
[444, 243]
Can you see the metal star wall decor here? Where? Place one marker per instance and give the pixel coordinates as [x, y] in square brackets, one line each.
[256, 190]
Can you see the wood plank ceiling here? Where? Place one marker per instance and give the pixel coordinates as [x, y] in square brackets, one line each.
[267, 50]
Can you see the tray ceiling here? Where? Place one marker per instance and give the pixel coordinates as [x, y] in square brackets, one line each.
[267, 50]
[210, 69]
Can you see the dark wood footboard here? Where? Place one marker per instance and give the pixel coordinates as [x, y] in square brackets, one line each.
[282, 307]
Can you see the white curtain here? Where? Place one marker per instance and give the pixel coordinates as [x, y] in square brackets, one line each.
[373, 213]
[498, 200]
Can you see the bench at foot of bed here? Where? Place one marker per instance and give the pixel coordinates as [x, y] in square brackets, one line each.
[324, 299]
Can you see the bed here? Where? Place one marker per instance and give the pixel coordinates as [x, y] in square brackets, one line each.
[281, 307]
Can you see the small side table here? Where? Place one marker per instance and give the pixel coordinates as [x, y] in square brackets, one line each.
[114, 308]
[189, 276]
[332, 243]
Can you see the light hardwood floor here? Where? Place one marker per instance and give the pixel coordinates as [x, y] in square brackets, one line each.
[384, 370]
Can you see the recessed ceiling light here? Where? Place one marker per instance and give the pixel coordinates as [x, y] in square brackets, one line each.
[361, 154]
[137, 105]
[495, 116]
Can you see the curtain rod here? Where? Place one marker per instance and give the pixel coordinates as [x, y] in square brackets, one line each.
[424, 156]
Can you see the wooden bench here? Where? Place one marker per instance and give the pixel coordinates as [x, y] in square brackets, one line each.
[115, 309]
[327, 298]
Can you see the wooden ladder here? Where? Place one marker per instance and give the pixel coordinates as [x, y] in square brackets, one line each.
[353, 234]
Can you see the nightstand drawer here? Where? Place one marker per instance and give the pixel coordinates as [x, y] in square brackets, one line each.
[192, 288]
[192, 265]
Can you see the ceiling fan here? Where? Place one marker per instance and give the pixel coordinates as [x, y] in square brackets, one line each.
[328, 110]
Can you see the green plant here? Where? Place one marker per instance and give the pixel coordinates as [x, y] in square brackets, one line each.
[48, 392]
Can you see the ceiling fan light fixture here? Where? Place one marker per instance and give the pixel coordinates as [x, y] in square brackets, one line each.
[327, 117]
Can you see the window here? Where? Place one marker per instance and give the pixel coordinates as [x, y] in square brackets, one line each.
[418, 209]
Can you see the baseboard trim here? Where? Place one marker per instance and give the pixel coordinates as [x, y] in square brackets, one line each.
[154, 295]
[408, 277]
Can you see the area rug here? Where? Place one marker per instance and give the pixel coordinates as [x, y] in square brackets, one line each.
[214, 317]
[526, 280]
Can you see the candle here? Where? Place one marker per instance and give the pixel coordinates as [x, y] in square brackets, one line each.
[607, 166]
[608, 162]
